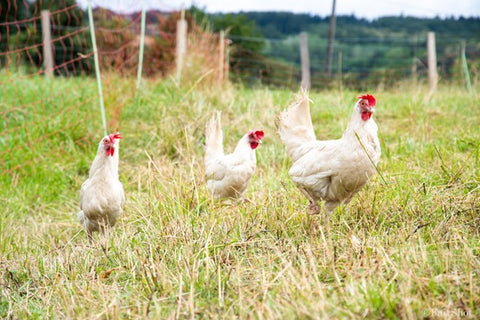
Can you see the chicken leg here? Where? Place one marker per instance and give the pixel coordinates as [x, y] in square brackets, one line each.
[313, 208]
[330, 206]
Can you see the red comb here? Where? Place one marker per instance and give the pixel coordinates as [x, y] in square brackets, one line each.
[114, 136]
[371, 99]
[259, 134]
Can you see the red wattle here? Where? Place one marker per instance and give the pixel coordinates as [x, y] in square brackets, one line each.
[366, 115]
[109, 152]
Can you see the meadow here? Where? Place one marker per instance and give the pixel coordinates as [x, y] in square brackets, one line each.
[406, 247]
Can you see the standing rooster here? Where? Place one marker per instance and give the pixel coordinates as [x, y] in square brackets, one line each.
[229, 175]
[101, 196]
[331, 170]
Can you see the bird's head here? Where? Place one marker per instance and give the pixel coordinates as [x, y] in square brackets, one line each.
[110, 143]
[255, 138]
[366, 106]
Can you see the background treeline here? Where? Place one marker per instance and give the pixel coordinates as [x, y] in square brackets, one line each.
[264, 45]
[385, 49]
[282, 24]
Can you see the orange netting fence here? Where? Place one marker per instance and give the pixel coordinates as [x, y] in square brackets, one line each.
[57, 115]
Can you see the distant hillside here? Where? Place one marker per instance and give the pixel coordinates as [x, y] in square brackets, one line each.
[387, 47]
[282, 24]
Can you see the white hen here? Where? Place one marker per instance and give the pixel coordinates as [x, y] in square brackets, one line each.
[229, 175]
[102, 196]
[331, 170]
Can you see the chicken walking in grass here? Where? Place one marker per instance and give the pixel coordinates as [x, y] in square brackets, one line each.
[101, 195]
[331, 170]
[228, 175]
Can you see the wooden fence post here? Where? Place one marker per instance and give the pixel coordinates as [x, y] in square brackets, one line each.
[181, 48]
[47, 44]
[221, 56]
[227, 60]
[305, 60]
[432, 61]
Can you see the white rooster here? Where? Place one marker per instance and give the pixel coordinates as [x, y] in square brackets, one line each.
[102, 196]
[229, 175]
[331, 170]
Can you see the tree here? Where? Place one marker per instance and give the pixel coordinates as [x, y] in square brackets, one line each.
[68, 40]
[242, 30]
[11, 12]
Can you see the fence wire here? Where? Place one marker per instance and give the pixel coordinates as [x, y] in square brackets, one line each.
[356, 61]
[38, 115]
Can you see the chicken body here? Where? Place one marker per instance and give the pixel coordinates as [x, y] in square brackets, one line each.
[102, 196]
[331, 170]
[229, 175]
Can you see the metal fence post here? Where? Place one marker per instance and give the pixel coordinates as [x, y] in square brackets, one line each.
[221, 56]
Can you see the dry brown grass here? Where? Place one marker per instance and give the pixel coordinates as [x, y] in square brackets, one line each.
[408, 248]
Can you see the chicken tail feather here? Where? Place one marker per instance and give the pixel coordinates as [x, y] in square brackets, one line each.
[294, 125]
[86, 223]
[81, 218]
[214, 137]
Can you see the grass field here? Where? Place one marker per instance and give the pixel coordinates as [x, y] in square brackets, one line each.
[407, 246]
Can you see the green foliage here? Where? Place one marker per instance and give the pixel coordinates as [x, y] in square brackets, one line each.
[280, 24]
[239, 27]
[68, 41]
[246, 44]
[381, 49]
[17, 10]
[288, 23]
[11, 11]
[199, 16]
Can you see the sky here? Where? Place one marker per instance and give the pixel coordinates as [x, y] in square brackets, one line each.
[369, 9]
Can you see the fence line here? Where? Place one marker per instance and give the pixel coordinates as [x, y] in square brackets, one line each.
[46, 117]
[118, 40]
[376, 60]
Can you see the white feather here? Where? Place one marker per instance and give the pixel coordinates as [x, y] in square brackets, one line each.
[332, 170]
[102, 195]
[227, 175]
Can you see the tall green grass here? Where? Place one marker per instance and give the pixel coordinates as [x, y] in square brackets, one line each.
[404, 248]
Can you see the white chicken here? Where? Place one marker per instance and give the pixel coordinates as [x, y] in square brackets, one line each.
[331, 170]
[229, 175]
[102, 196]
